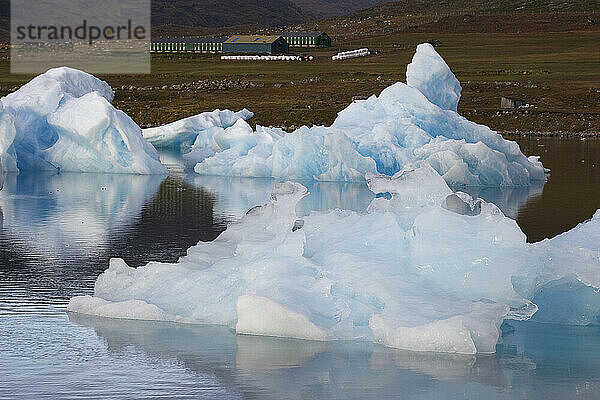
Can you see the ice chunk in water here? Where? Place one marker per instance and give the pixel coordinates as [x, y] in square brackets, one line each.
[316, 153]
[64, 121]
[414, 272]
[406, 126]
[182, 134]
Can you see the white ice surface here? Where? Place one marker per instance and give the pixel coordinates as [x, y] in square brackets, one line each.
[429, 73]
[425, 269]
[318, 153]
[407, 125]
[182, 134]
[64, 121]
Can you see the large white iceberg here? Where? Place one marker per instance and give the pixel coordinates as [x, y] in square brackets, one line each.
[63, 120]
[424, 269]
[182, 134]
[407, 125]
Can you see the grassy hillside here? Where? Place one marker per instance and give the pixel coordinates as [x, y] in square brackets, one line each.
[463, 16]
[219, 13]
[481, 7]
[319, 9]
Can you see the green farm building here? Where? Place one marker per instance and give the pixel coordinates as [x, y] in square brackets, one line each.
[306, 39]
[256, 44]
[279, 43]
[187, 45]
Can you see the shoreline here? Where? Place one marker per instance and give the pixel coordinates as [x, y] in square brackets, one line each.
[554, 134]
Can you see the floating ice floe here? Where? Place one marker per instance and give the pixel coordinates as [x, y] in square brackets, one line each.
[63, 120]
[182, 134]
[318, 153]
[407, 125]
[424, 269]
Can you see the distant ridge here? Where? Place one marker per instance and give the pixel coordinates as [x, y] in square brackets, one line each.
[346, 18]
[481, 6]
[318, 9]
[222, 13]
[218, 14]
[461, 16]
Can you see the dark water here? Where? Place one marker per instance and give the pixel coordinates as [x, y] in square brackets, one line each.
[572, 193]
[58, 232]
[570, 196]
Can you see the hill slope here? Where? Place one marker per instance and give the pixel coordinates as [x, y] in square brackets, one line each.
[216, 13]
[461, 16]
[318, 9]
[482, 6]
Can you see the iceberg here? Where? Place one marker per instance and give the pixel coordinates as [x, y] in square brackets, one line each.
[317, 153]
[406, 126]
[182, 134]
[64, 121]
[423, 269]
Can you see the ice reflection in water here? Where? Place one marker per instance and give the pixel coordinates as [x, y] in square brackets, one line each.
[66, 215]
[235, 196]
[58, 231]
[509, 200]
[284, 368]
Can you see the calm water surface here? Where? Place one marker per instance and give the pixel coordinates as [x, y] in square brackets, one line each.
[57, 233]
